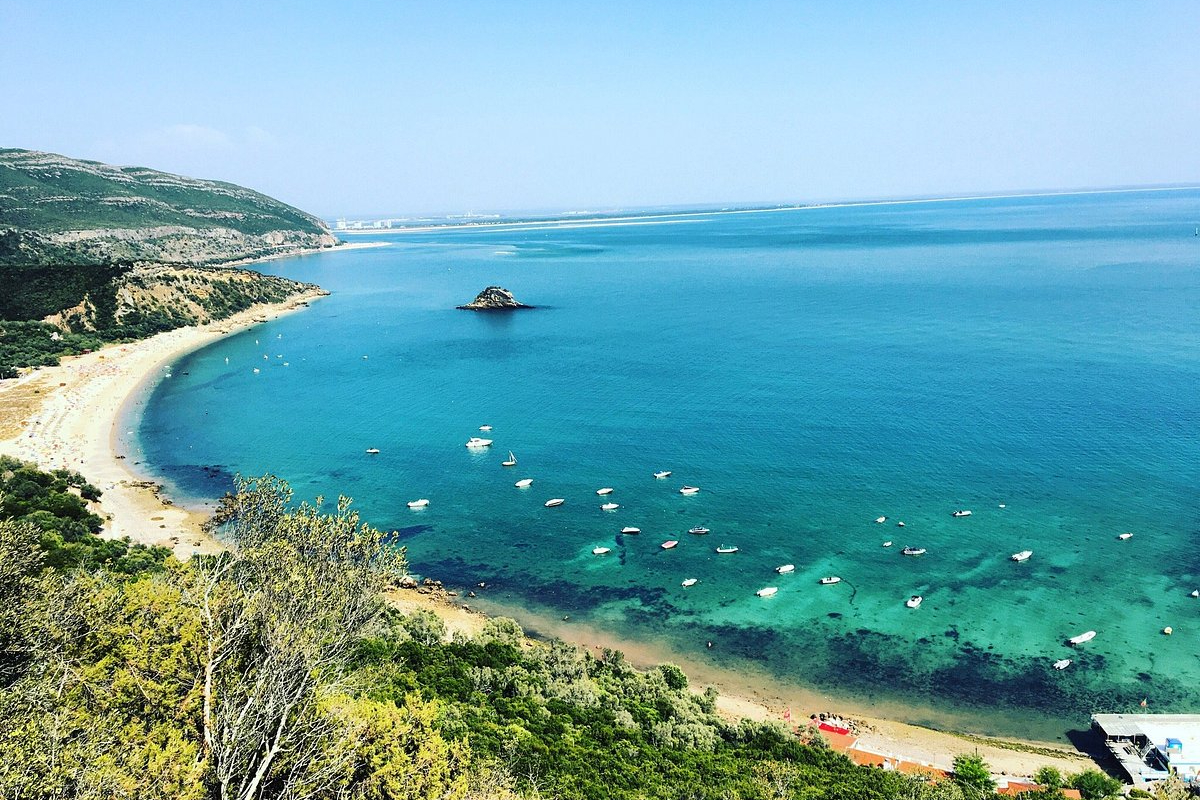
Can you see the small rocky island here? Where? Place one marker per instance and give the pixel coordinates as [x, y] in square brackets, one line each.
[493, 298]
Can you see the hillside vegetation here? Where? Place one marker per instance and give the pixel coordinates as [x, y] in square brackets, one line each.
[92, 253]
[52, 311]
[55, 209]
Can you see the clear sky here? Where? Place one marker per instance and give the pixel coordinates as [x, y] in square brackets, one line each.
[397, 107]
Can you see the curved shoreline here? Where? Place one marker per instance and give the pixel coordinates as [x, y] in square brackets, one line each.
[65, 417]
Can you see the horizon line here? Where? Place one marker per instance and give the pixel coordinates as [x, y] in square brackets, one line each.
[628, 218]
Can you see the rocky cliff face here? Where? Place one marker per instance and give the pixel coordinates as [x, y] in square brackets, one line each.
[494, 298]
[92, 212]
[163, 297]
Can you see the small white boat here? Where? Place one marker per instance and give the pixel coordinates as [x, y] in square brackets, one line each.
[914, 601]
[1003, 506]
[604, 491]
[630, 529]
[913, 551]
[1195, 593]
[785, 569]
[523, 483]
[1081, 638]
[830, 580]
[599, 551]
[963, 513]
[475, 441]
[1125, 536]
[880, 520]
[699, 530]
[373, 450]
[1062, 663]
[555, 501]
[418, 503]
[900, 524]
[690, 582]
[887, 543]
[485, 428]
[1021, 556]
[767, 591]
[669, 543]
[663, 473]
[610, 506]
[689, 490]
[723, 549]
[512, 460]
[257, 370]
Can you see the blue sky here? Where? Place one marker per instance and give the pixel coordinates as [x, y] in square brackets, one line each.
[394, 107]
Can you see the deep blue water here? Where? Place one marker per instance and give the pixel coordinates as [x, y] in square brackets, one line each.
[810, 370]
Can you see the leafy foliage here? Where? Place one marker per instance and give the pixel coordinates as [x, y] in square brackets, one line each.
[52, 503]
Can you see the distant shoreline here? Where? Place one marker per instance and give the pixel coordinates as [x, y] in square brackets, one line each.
[660, 218]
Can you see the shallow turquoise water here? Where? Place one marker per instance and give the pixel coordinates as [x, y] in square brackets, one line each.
[810, 370]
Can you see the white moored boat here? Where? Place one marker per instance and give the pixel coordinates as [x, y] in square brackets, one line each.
[631, 529]
[1021, 556]
[511, 462]
[475, 441]
[914, 601]
[767, 591]
[373, 450]
[599, 551]
[669, 543]
[913, 551]
[1081, 638]
[604, 491]
[418, 503]
[887, 544]
[1062, 663]
[689, 490]
[691, 581]
[831, 579]
[485, 428]
[785, 569]
[610, 506]
[880, 520]
[523, 483]
[964, 513]
[699, 530]
[1125, 536]
[555, 501]
[724, 549]
[663, 473]
[1195, 593]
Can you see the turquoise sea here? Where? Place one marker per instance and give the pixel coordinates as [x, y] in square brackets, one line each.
[1035, 360]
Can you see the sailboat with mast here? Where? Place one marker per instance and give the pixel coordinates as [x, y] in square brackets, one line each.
[512, 460]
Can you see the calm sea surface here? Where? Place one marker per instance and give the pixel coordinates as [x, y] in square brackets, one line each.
[1036, 361]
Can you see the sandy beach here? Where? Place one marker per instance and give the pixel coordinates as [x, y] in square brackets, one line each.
[64, 417]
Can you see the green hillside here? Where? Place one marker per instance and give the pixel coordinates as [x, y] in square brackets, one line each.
[54, 209]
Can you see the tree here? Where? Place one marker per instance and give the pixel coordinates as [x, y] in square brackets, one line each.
[1049, 777]
[973, 775]
[279, 620]
[1095, 785]
[20, 562]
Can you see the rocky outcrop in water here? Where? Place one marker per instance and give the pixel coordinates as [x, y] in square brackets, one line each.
[494, 298]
